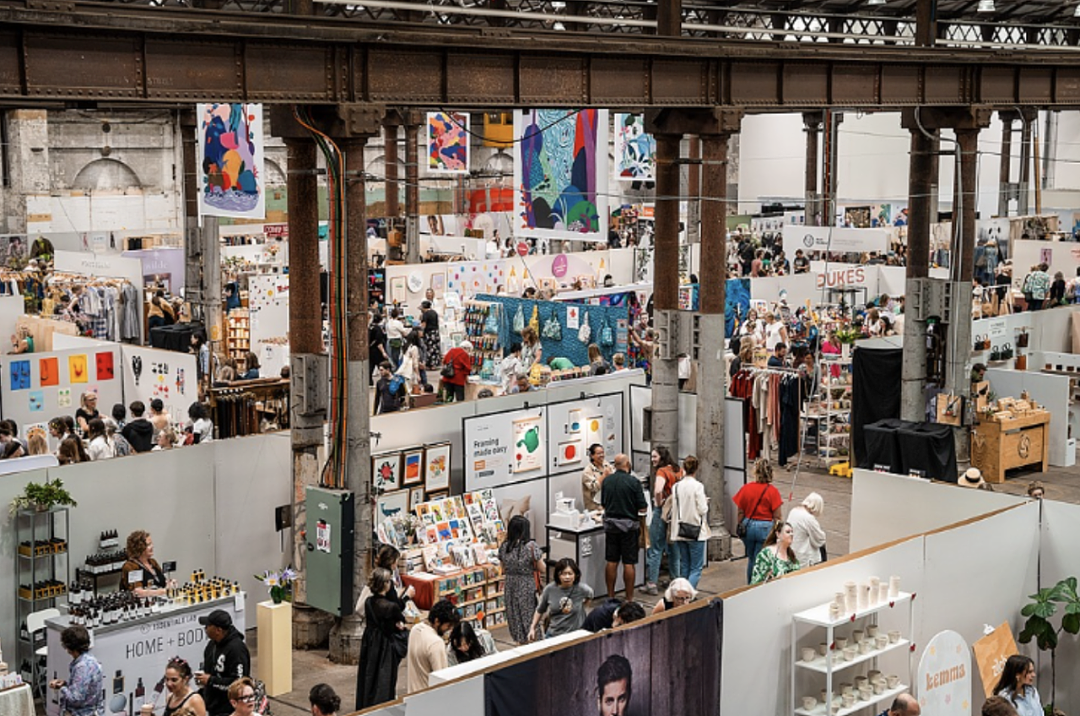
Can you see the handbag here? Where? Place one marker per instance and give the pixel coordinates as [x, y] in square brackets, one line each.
[399, 642]
[552, 327]
[491, 323]
[607, 336]
[1022, 340]
[447, 371]
[687, 530]
[585, 332]
[519, 320]
[740, 529]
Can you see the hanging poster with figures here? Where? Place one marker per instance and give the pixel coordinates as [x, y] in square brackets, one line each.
[561, 174]
[150, 374]
[230, 142]
[528, 447]
[448, 142]
[635, 149]
[386, 471]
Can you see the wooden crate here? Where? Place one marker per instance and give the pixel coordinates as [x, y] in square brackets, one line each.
[1000, 446]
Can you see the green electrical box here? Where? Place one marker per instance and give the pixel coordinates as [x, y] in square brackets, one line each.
[330, 553]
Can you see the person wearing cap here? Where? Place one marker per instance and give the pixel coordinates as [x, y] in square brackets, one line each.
[972, 478]
[225, 659]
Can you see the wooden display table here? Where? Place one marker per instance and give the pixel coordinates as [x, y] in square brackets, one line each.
[1000, 446]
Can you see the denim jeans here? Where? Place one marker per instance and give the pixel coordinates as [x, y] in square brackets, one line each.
[691, 559]
[658, 531]
[756, 533]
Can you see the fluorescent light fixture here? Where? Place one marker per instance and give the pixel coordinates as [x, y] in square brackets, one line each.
[985, 6]
[1076, 12]
[876, 2]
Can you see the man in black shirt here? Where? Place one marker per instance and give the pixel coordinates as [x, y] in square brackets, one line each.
[623, 500]
[225, 659]
[801, 263]
[387, 398]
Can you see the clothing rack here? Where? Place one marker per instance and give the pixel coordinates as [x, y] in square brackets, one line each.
[778, 415]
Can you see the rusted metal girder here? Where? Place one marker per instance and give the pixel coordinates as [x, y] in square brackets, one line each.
[73, 52]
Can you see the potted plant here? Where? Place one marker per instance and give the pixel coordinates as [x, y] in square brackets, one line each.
[279, 584]
[1040, 611]
[42, 497]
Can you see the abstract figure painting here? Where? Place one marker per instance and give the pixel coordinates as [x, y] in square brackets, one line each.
[448, 142]
[635, 149]
[561, 174]
[231, 159]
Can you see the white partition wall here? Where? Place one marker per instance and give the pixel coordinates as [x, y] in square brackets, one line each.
[1057, 561]
[964, 592]
[886, 507]
[208, 507]
[757, 658]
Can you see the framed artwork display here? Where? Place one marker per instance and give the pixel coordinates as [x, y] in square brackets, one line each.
[391, 504]
[386, 471]
[440, 495]
[416, 496]
[437, 467]
[398, 289]
[413, 467]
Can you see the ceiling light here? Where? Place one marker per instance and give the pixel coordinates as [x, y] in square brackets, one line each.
[876, 2]
[1076, 12]
[985, 6]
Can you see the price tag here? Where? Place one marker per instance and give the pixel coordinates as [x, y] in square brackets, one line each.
[135, 576]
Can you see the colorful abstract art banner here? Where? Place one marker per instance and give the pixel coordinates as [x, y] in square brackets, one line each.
[448, 143]
[561, 174]
[231, 154]
[635, 149]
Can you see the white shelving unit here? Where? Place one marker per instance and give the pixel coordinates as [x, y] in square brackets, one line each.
[806, 630]
[833, 424]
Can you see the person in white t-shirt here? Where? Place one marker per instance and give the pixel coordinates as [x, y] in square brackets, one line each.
[509, 368]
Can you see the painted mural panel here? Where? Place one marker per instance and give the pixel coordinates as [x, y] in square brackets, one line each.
[231, 153]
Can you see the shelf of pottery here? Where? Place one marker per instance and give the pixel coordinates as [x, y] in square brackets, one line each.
[829, 411]
[482, 320]
[238, 332]
[854, 653]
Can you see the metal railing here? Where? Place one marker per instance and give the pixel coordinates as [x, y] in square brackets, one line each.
[699, 20]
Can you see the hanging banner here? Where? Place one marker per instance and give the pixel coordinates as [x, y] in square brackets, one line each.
[230, 141]
[561, 174]
[448, 143]
[943, 683]
[834, 240]
[635, 149]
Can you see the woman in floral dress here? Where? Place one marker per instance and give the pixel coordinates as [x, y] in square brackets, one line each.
[776, 558]
[521, 558]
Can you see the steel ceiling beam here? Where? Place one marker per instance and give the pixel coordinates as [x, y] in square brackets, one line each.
[71, 54]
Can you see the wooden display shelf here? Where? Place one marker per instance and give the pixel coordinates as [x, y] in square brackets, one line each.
[1000, 446]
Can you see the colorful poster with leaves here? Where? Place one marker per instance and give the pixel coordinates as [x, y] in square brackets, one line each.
[49, 371]
[635, 149]
[77, 369]
[230, 142]
[561, 174]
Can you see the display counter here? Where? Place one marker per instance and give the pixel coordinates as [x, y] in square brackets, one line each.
[586, 545]
[133, 654]
[17, 701]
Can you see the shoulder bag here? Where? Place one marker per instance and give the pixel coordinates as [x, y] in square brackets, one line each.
[740, 529]
[687, 530]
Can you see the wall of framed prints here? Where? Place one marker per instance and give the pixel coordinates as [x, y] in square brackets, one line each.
[526, 456]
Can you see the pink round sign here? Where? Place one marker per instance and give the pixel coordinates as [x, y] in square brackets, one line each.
[559, 266]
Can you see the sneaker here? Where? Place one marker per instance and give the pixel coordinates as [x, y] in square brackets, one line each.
[651, 589]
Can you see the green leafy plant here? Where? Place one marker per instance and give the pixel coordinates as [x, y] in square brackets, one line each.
[42, 497]
[848, 335]
[1040, 627]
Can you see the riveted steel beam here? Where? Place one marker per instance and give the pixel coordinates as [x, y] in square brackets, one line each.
[141, 56]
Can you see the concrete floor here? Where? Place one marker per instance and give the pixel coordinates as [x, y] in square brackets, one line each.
[313, 667]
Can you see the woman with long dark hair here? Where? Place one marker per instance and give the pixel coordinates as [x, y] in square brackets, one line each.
[521, 559]
[777, 557]
[467, 644]
[380, 648]
[666, 472]
[1017, 684]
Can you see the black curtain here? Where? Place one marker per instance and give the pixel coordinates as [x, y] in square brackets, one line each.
[875, 394]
